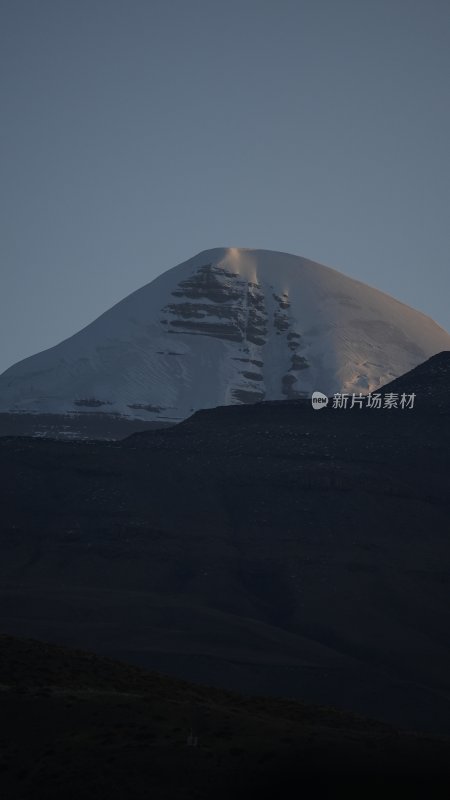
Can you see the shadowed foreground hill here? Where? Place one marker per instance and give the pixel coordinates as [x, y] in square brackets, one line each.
[268, 549]
[74, 725]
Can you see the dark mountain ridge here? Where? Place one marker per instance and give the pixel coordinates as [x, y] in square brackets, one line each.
[262, 548]
[429, 381]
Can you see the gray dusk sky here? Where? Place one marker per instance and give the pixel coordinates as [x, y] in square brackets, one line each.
[135, 133]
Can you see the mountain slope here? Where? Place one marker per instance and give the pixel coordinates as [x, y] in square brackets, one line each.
[228, 326]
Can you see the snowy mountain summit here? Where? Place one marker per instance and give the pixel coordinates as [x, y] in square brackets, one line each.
[227, 326]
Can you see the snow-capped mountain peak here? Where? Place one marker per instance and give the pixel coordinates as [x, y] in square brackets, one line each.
[231, 325]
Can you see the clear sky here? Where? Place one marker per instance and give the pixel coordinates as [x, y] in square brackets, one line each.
[135, 133]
